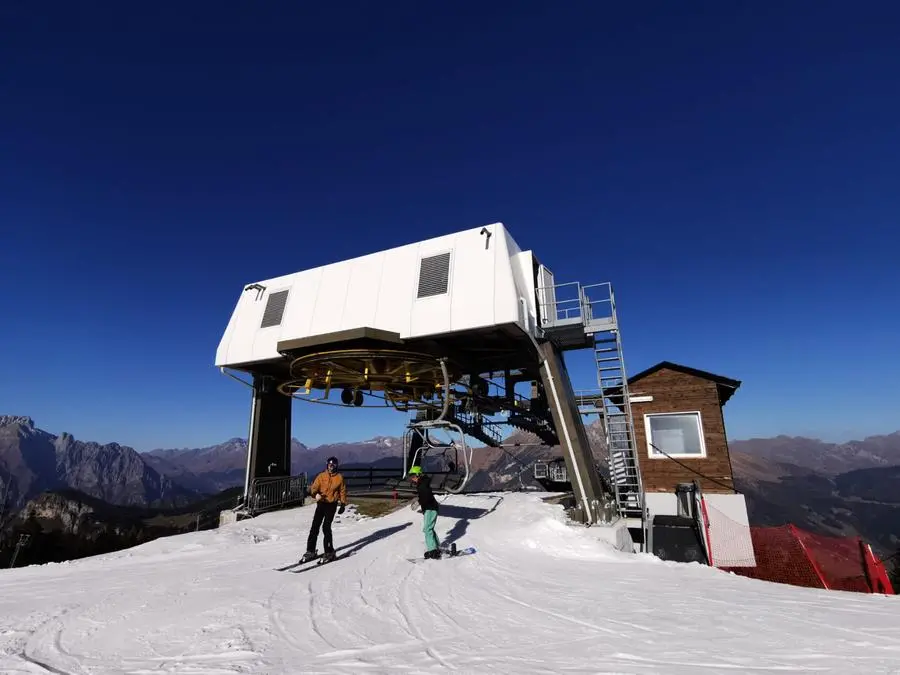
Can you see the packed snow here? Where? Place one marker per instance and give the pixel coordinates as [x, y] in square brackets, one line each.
[539, 596]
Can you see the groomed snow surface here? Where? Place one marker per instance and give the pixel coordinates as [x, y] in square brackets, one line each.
[540, 596]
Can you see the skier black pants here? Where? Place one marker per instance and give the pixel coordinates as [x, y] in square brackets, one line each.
[322, 518]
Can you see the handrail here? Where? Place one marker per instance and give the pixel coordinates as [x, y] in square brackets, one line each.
[555, 310]
[369, 478]
[270, 493]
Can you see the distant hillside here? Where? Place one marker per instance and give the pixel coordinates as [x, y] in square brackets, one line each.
[863, 502]
[218, 467]
[209, 469]
[68, 524]
[831, 488]
[821, 457]
[33, 461]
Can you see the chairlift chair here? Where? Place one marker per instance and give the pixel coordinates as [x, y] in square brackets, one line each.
[418, 442]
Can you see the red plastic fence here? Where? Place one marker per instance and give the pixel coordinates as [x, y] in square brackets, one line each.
[879, 580]
[789, 555]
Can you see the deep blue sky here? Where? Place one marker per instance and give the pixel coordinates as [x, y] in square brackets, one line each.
[733, 168]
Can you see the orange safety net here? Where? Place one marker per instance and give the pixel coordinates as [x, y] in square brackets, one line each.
[789, 555]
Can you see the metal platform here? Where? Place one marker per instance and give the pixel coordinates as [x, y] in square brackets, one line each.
[572, 313]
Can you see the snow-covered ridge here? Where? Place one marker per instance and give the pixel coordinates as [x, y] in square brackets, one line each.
[540, 596]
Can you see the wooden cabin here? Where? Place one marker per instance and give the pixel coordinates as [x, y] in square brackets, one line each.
[680, 437]
[679, 427]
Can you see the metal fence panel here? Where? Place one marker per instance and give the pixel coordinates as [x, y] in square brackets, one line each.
[268, 494]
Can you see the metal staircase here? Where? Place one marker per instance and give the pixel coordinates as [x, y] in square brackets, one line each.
[542, 429]
[475, 426]
[615, 408]
[598, 328]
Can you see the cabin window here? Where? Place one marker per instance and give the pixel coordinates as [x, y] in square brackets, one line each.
[434, 275]
[274, 309]
[674, 434]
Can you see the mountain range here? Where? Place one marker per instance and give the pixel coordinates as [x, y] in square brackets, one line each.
[838, 489]
[33, 461]
[219, 467]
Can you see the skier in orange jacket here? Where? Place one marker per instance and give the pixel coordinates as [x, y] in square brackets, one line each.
[330, 493]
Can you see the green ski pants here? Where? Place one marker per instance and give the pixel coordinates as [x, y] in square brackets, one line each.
[431, 540]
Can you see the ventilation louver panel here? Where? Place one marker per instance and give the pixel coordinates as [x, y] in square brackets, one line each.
[274, 309]
[434, 275]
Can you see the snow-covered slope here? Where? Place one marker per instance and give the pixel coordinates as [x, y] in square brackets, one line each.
[538, 597]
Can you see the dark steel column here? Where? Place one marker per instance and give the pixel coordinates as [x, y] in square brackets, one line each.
[269, 448]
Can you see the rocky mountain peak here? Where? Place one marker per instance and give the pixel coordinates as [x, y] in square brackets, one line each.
[20, 420]
[36, 461]
[385, 442]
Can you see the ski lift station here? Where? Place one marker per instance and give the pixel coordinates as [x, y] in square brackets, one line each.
[465, 333]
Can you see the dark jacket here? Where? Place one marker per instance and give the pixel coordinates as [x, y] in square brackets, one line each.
[426, 496]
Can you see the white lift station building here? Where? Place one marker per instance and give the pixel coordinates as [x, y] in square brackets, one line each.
[445, 327]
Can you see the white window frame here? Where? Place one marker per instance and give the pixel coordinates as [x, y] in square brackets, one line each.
[648, 435]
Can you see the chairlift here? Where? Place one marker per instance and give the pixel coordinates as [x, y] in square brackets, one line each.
[419, 443]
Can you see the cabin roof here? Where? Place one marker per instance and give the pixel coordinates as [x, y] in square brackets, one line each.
[726, 385]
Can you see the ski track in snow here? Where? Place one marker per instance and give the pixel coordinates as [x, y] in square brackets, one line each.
[539, 596]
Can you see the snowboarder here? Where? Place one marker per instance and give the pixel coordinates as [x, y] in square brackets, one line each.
[429, 507]
[330, 493]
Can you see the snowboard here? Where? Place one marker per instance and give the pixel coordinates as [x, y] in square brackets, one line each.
[447, 554]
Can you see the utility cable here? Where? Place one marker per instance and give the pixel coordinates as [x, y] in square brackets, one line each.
[683, 465]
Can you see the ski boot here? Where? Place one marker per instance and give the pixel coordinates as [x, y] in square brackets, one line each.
[327, 557]
[309, 555]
